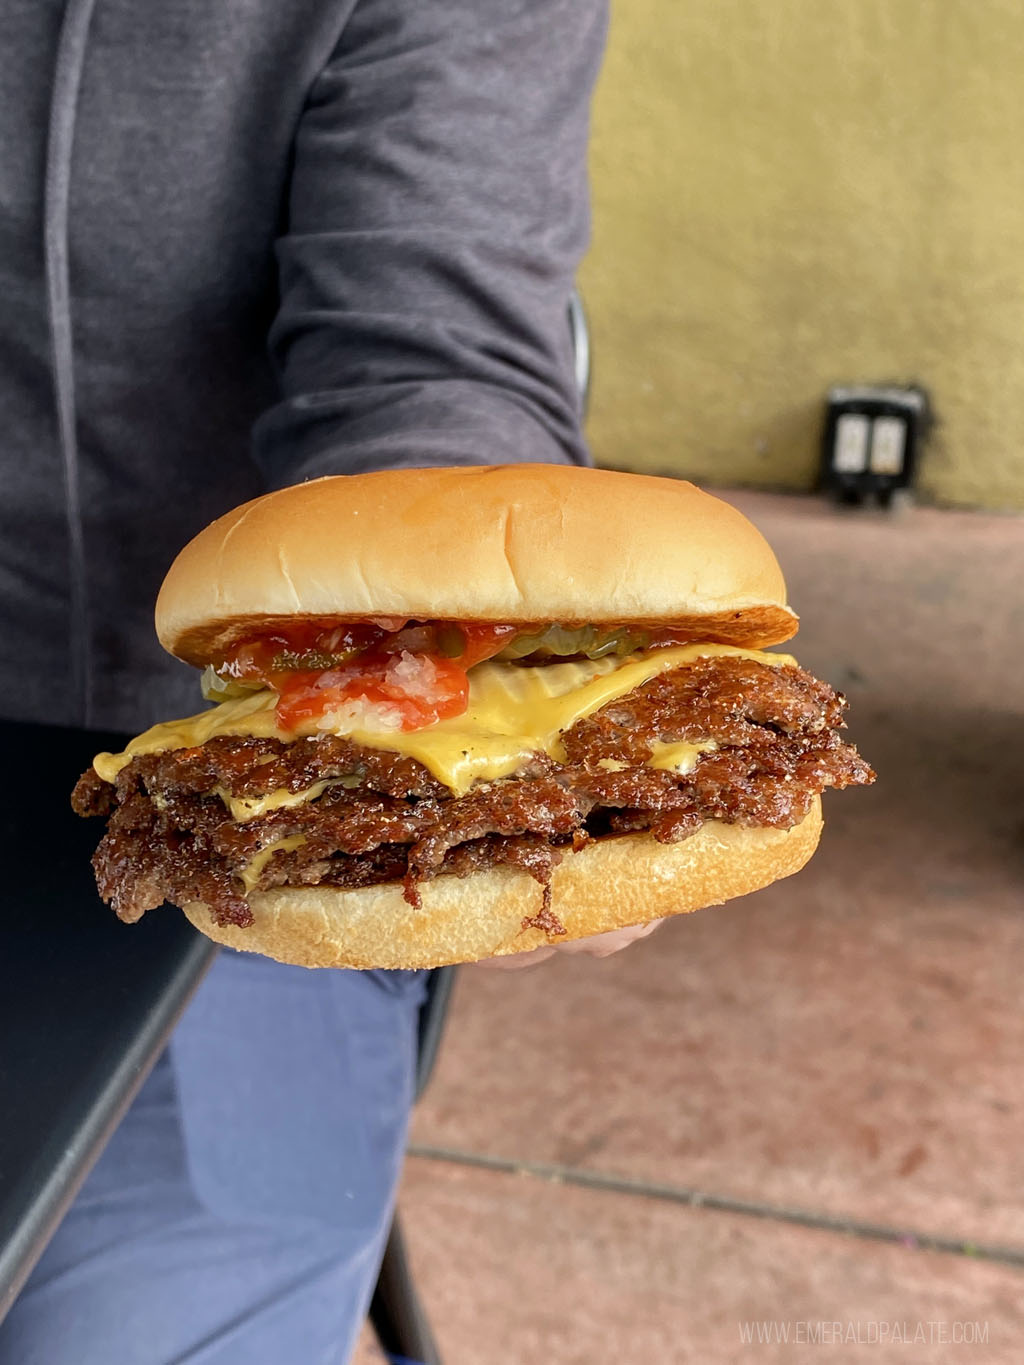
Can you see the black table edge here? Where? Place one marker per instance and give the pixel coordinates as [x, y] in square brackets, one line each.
[20, 1253]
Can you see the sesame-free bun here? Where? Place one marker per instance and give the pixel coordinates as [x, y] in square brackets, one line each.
[610, 884]
[531, 543]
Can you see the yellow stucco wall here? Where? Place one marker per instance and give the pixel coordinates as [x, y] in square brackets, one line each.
[793, 193]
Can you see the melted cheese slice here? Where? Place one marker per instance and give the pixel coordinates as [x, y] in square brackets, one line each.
[253, 870]
[244, 808]
[680, 757]
[513, 712]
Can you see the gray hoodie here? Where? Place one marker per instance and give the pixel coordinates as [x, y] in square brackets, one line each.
[391, 192]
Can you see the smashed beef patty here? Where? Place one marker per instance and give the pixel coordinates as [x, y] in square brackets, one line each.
[386, 818]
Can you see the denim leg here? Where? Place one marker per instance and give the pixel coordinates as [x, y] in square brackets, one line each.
[237, 1216]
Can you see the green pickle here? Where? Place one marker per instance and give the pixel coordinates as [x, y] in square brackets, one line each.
[566, 642]
[216, 688]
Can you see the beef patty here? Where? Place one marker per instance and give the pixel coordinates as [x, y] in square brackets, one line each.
[382, 817]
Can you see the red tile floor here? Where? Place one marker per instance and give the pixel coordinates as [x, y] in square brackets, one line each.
[802, 1112]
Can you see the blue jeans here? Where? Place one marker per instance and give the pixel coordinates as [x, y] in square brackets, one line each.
[238, 1214]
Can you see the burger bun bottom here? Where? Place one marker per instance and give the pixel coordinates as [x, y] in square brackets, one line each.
[610, 884]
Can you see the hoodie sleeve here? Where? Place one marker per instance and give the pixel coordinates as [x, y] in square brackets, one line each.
[437, 214]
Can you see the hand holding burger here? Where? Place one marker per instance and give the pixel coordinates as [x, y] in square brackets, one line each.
[462, 713]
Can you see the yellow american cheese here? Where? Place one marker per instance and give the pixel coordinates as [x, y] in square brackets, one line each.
[253, 870]
[244, 808]
[680, 757]
[253, 715]
[513, 712]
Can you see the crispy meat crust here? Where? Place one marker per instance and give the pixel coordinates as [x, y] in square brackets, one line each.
[171, 837]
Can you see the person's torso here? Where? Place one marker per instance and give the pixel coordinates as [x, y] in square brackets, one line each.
[177, 187]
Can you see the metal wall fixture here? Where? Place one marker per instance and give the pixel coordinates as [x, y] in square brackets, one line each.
[872, 441]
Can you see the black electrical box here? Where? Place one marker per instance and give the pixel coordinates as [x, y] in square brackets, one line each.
[872, 440]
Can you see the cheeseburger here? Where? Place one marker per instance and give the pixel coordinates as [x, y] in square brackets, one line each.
[458, 713]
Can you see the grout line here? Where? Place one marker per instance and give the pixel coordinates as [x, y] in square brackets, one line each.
[723, 1203]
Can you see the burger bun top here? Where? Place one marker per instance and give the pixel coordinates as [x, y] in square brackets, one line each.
[505, 543]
